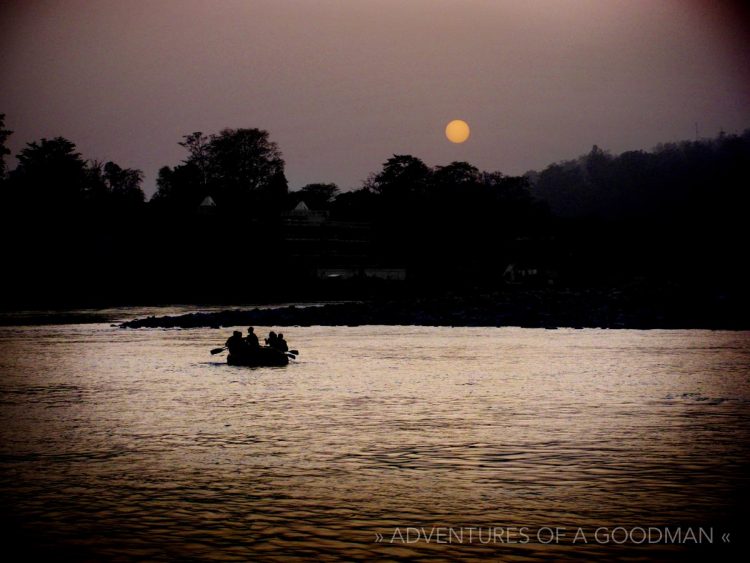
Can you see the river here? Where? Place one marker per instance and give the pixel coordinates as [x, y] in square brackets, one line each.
[377, 443]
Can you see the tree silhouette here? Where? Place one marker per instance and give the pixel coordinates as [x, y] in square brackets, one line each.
[246, 168]
[316, 196]
[96, 191]
[355, 205]
[4, 134]
[197, 145]
[456, 181]
[124, 184]
[401, 175]
[179, 188]
[50, 173]
[240, 168]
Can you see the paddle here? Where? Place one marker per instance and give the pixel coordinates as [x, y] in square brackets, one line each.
[291, 353]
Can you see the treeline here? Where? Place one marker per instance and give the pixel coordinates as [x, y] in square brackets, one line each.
[242, 169]
[674, 182]
[676, 213]
[51, 175]
[82, 231]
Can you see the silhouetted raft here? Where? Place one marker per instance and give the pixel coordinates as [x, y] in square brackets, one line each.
[263, 356]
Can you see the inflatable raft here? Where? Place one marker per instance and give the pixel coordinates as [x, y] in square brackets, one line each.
[260, 357]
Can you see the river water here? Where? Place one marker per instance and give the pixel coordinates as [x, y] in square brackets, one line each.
[377, 443]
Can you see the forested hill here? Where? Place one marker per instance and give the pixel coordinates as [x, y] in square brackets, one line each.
[707, 178]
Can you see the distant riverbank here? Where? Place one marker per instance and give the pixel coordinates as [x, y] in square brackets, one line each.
[124, 313]
[530, 308]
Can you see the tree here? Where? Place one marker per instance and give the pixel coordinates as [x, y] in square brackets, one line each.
[240, 168]
[456, 178]
[402, 175]
[317, 196]
[563, 186]
[198, 147]
[50, 173]
[355, 205]
[457, 189]
[507, 189]
[179, 187]
[4, 134]
[124, 184]
[96, 192]
[247, 169]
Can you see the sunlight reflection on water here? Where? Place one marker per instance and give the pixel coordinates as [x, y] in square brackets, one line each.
[139, 444]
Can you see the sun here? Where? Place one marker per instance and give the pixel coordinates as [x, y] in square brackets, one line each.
[457, 131]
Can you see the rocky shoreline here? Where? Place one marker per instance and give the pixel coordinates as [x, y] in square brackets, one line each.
[528, 308]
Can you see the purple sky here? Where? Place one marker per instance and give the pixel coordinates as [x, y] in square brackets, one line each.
[342, 85]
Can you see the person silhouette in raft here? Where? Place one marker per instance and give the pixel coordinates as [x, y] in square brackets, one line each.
[252, 339]
[281, 343]
[271, 340]
[235, 343]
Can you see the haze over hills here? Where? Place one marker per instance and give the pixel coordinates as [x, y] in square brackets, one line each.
[343, 85]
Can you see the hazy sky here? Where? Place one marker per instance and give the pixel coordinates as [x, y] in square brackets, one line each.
[342, 85]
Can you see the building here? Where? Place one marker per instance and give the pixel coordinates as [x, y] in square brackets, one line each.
[330, 249]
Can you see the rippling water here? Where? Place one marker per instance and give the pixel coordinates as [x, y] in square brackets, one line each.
[128, 445]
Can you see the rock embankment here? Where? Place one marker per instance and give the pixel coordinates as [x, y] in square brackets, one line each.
[529, 308]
